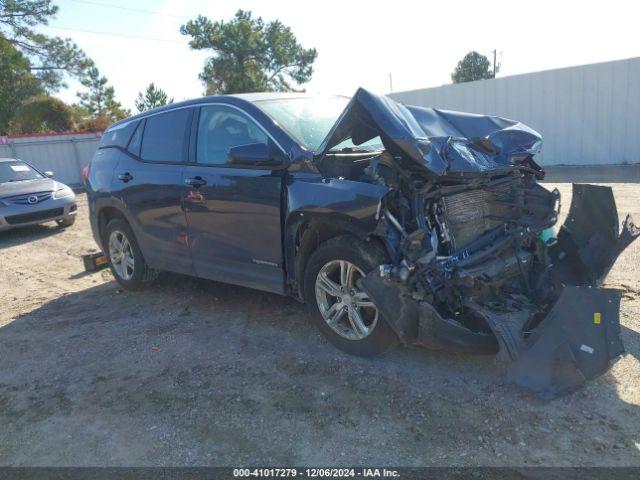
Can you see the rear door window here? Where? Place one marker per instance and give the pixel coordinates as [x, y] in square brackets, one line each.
[165, 136]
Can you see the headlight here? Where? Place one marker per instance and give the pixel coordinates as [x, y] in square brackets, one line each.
[63, 192]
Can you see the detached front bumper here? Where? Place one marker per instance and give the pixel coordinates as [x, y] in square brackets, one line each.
[580, 334]
[575, 342]
[16, 216]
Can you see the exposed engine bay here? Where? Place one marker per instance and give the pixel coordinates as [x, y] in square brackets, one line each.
[476, 260]
[472, 249]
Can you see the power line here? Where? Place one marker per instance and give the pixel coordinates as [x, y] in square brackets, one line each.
[123, 35]
[137, 10]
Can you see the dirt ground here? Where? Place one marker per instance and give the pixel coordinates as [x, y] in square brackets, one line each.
[192, 372]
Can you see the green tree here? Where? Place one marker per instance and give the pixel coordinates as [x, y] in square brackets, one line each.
[99, 99]
[249, 55]
[473, 66]
[42, 114]
[50, 58]
[17, 83]
[152, 97]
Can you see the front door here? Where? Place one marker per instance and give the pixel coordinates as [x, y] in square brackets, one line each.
[233, 212]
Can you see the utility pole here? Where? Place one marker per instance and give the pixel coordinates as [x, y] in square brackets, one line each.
[494, 62]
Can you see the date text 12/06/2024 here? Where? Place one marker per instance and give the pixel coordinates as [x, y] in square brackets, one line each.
[315, 473]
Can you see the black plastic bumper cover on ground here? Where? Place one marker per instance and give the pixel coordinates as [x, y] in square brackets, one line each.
[575, 342]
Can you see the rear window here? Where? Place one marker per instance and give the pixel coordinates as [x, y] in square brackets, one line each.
[17, 171]
[118, 135]
[164, 137]
[136, 140]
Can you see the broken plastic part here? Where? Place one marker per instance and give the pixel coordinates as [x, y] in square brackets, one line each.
[418, 322]
[549, 236]
[575, 342]
[589, 240]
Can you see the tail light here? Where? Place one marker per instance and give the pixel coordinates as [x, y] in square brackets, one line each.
[85, 173]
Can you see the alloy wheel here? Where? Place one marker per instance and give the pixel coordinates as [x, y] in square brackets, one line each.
[121, 255]
[345, 308]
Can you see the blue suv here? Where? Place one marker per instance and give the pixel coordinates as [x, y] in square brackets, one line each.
[395, 224]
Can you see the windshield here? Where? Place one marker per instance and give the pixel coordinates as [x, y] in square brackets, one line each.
[17, 171]
[309, 120]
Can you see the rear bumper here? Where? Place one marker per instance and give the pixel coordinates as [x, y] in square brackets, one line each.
[16, 216]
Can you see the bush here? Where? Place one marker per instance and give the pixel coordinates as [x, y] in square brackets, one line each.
[42, 114]
[99, 123]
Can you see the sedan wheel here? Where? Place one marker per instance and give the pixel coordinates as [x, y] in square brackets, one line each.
[121, 255]
[346, 309]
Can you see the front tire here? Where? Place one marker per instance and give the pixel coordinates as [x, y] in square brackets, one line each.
[344, 313]
[125, 257]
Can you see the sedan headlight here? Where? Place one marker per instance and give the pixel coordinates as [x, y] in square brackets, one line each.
[63, 192]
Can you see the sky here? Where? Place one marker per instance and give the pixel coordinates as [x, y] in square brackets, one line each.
[359, 43]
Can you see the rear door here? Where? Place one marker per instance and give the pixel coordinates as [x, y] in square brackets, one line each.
[233, 213]
[149, 183]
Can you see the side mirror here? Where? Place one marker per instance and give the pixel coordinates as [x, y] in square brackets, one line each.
[252, 155]
[48, 174]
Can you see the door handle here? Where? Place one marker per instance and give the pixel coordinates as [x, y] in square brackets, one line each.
[125, 177]
[195, 182]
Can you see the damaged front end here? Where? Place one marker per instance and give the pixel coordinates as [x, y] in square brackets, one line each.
[476, 261]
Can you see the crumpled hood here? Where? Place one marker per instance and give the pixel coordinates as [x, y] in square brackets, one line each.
[440, 140]
[9, 189]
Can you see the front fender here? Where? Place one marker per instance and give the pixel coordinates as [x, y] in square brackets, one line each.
[344, 204]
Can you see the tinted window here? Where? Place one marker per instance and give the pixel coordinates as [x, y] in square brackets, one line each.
[164, 136]
[220, 128]
[136, 139]
[118, 135]
[16, 171]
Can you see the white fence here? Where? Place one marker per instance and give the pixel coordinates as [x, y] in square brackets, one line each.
[63, 154]
[587, 115]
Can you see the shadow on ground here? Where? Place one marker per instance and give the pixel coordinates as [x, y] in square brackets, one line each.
[193, 372]
[19, 236]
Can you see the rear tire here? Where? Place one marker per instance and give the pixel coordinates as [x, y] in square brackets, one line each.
[342, 312]
[125, 257]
